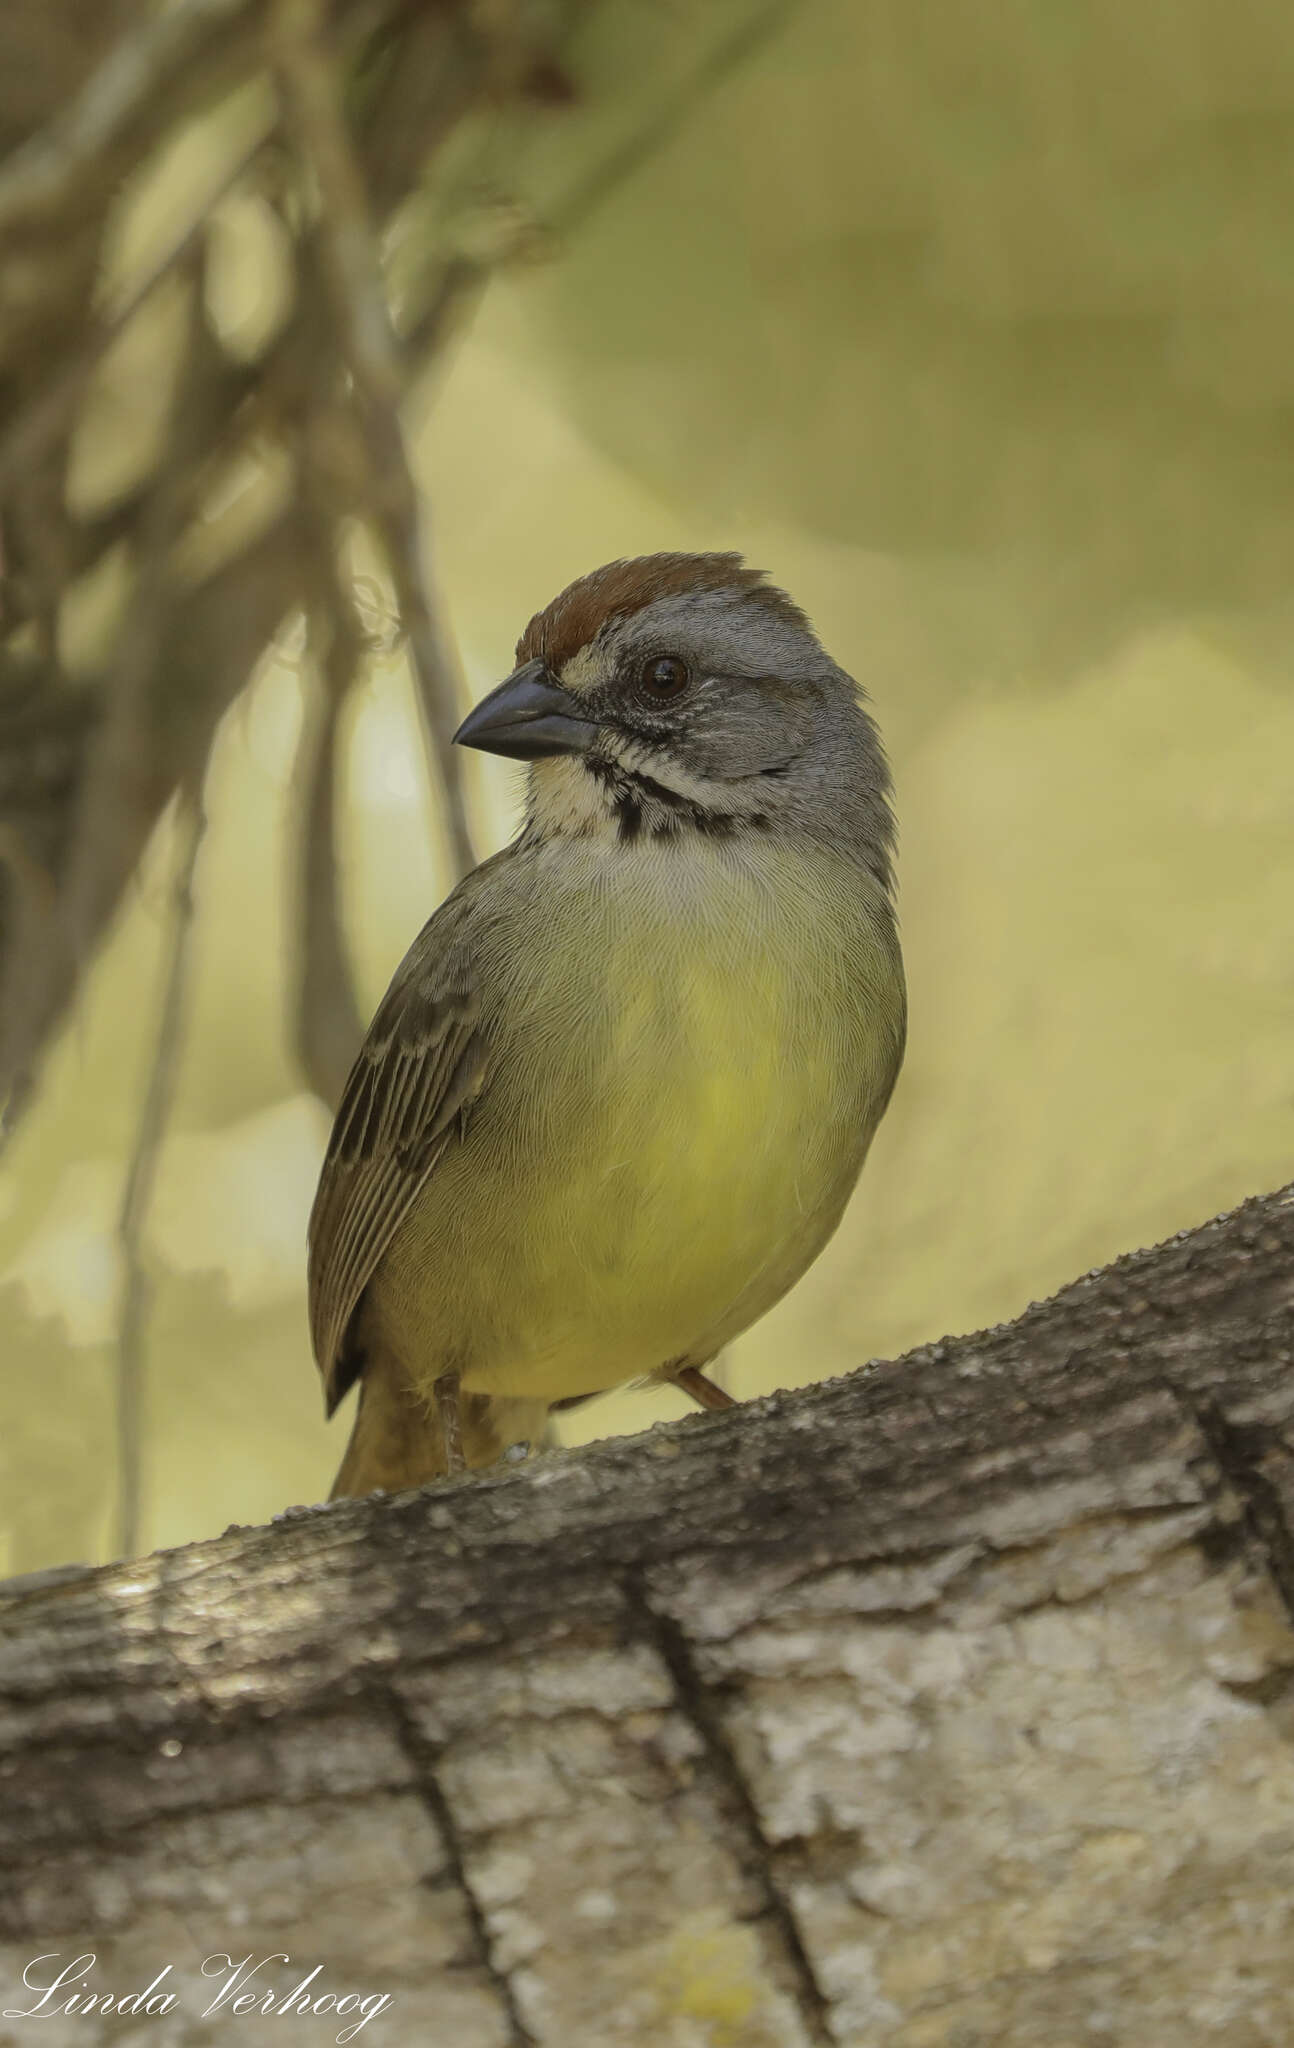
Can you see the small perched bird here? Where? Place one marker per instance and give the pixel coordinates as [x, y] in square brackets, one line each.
[623, 1082]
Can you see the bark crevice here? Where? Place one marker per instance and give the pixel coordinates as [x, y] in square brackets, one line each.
[777, 1912]
[422, 1759]
[1246, 1453]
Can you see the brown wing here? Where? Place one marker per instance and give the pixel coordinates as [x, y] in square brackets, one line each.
[421, 1066]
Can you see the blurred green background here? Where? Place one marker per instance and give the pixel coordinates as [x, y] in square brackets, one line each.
[975, 328]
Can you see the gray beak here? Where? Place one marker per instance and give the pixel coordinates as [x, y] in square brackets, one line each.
[526, 718]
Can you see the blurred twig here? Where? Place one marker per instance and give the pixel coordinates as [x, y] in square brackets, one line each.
[115, 806]
[584, 198]
[464, 277]
[47, 173]
[308, 75]
[132, 1219]
[327, 1026]
[39, 423]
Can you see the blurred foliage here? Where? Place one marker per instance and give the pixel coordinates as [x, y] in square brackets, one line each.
[975, 330]
[1010, 284]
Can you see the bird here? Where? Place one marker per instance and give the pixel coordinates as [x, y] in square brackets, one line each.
[623, 1083]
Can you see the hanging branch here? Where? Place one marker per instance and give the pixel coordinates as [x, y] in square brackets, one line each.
[42, 422]
[371, 95]
[308, 73]
[327, 1025]
[132, 1220]
[131, 89]
[116, 806]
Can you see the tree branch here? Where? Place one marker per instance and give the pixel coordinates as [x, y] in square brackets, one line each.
[914, 1708]
[137, 1195]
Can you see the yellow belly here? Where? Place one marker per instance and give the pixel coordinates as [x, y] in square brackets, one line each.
[678, 1107]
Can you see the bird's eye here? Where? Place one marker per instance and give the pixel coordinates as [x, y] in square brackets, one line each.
[664, 676]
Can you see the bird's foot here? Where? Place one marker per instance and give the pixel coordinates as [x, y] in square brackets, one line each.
[703, 1391]
[451, 1421]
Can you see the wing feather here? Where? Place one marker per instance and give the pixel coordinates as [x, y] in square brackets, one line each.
[419, 1070]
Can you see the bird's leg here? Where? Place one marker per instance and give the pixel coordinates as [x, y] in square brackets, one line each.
[703, 1391]
[451, 1421]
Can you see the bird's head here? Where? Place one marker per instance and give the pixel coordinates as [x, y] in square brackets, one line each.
[678, 694]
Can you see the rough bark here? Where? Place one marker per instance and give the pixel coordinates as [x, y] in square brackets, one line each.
[948, 1703]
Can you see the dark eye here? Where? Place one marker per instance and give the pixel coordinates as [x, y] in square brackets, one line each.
[664, 676]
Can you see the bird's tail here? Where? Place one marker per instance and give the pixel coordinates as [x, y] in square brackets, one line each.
[397, 1440]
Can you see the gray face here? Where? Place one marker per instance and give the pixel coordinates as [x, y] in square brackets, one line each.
[718, 688]
[738, 713]
[706, 710]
